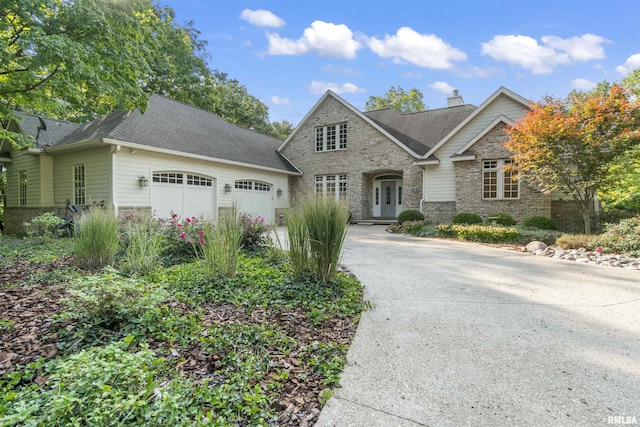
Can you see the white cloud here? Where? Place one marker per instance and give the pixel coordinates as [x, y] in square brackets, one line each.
[321, 38]
[425, 50]
[443, 87]
[276, 100]
[526, 52]
[318, 87]
[580, 49]
[413, 75]
[632, 63]
[582, 84]
[262, 18]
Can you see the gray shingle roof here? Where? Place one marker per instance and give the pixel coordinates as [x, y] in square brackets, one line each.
[56, 129]
[421, 131]
[172, 125]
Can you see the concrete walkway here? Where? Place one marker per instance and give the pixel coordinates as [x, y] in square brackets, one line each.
[464, 334]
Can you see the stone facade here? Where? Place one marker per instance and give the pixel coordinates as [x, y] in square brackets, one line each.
[369, 154]
[469, 183]
[439, 212]
[15, 217]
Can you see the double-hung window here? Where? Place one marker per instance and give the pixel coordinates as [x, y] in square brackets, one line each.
[79, 185]
[498, 183]
[332, 186]
[23, 188]
[331, 138]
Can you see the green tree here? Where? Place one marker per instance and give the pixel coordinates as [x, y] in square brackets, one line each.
[83, 59]
[571, 145]
[281, 130]
[398, 99]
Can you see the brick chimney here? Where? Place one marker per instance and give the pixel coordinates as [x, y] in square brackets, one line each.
[454, 100]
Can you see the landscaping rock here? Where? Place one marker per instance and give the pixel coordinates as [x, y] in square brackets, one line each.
[536, 246]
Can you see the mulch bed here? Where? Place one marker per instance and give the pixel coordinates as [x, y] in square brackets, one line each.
[28, 334]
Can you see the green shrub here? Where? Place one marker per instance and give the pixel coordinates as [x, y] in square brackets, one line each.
[479, 233]
[501, 219]
[299, 254]
[109, 386]
[541, 222]
[412, 227]
[574, 241]
[41, 228]
[182, 238]
[109, 298]
[622, 238]
[142, 241]
[95, 242]
[467, 218]
[255, 232]
[410, 215]
[327, 221]
[221, 245]
[631, 203]
[528, 234]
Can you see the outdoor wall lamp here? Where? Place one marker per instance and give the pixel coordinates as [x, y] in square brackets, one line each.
[227, 188]
[143, 181]
[279, 192]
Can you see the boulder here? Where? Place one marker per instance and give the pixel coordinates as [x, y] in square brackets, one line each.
[536, 246]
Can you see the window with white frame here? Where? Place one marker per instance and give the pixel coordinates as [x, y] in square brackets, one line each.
[332, 185]
[23, 188]
[79, 188]
[331, 138]
[498, 183]
[168, 178]
[199, 181]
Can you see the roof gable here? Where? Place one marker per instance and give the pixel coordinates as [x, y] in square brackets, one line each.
[178, 127]
[502, 91]
[55, 131]
[378, 126]
[500, 119]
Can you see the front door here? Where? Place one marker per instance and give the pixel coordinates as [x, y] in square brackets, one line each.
[388, 205]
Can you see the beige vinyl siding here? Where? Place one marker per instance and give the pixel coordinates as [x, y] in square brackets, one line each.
[440, 180]
[97, 163]
[130, 166]
[23, 162]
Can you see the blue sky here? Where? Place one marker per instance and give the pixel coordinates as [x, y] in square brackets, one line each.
[288, 52]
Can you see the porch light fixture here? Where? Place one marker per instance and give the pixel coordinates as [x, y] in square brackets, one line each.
[143, 181]
[279, 192]
[227, 188]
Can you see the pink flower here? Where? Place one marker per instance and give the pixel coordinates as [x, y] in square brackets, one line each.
[599, 249]
[202, 241]
[201, 233]
[174, 216]
[188, 219]
[179, 225]
[183, 235]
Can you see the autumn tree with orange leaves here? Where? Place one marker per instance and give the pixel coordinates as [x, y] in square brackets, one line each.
[571, 145]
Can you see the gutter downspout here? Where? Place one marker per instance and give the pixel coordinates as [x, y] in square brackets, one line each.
[115, 150]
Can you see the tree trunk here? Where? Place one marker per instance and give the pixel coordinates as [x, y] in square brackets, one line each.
[586, 217]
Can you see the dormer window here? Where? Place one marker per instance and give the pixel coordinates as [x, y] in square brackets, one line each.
[331, 138]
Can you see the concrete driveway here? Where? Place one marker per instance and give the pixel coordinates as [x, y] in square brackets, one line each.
[465, 334]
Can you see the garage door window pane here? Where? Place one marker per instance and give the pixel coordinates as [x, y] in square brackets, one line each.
[244, 185]
[168, 178]
[199, 180]
[259, 186]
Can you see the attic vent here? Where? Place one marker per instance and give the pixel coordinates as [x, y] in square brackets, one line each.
[454, 100]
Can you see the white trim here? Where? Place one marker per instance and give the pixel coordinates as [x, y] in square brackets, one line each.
[110, 141]
[500, 119]
[428, 162]
[463, 158]
[357, 113]
[134, 146]
[114, 200]
[501, 91]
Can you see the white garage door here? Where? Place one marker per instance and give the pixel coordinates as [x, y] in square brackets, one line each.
[255, 198]
[182, 193]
